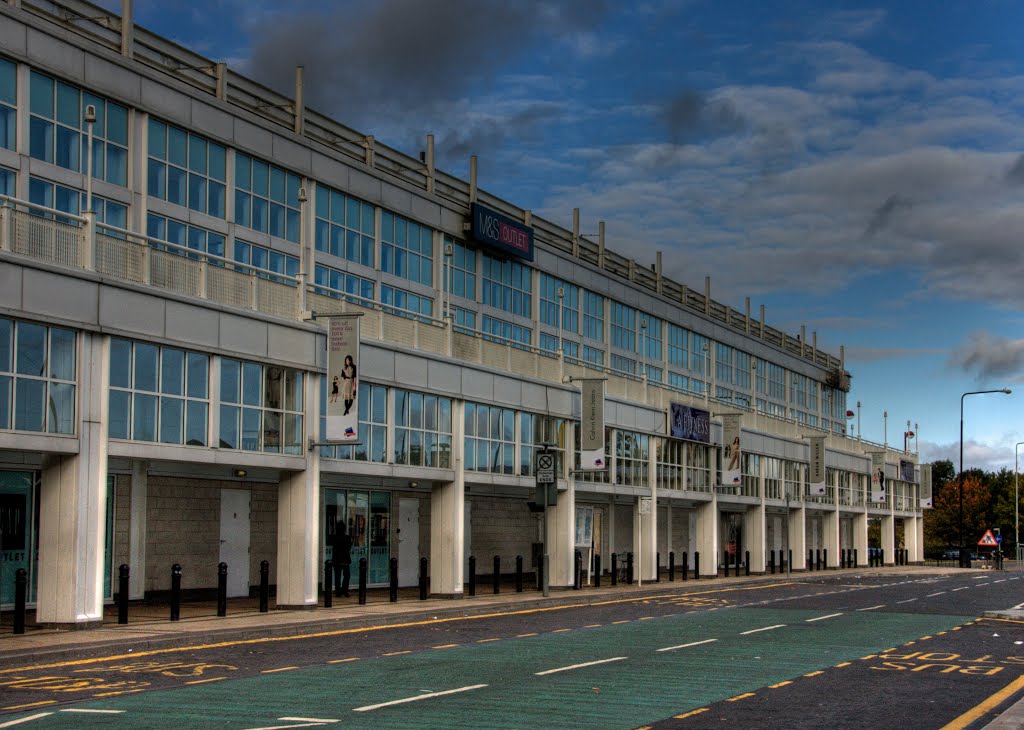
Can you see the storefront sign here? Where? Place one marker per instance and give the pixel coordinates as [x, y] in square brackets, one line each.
[688, 423]
[496, 230]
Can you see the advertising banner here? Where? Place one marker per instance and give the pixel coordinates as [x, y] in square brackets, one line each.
[926, 486]
[817, 475]
[692, 424]
[878, 476]
[592, 426]
[732, 469]
[907, 471]
[584, 527]
[342, 378]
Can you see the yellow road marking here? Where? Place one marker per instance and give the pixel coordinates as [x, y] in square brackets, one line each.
[780, 684]
[592, 626]
[342, 661]
[279, 669]
[691, 714]
[815, 674]
[123, 692]
[924, 638]
[624, 621]
[646, 618]
[484, 641]
[444, 646]
[367, 629]
[203, 681]
[869, 656]
[397, 653]
[560, 631]
[523, 636]
[30, 704]
[995, 700]
[740, 697]
[844, 664]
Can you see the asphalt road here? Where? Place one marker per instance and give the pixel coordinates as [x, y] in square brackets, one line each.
[837, 651]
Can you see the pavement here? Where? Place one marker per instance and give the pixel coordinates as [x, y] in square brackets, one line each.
[149, 626]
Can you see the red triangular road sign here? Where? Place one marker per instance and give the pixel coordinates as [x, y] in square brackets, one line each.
[988, 539]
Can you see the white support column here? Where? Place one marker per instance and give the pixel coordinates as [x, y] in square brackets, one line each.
[707, 536]
[860, 538]
[298, 518]
[796, 526]
[889, 539]
[561, 537]
[754, 536]
[73, 500]
[137, 530]
[447, 527]
[645, 526]
[830, 538]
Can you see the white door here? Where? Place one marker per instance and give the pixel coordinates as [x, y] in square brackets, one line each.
[408, 542]
[234, 539]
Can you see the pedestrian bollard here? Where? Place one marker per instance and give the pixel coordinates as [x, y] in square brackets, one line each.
[577, 569]
[496, 576]
[671, 566]
[771, 562]
[746, 559]
[696, 564]
[20, 593]
[725, 562]
[393, 592]
[629, 568]
[122, 594]
[175, 592]
[222, 589]
[472, 575]
[615, 569]
[264, 586]
[842, 558]
[362, 581]
[881, 558]
[328, 583]
[423, 579]
[519, 573]
[685, 566]
[810, 559]
[540, 575]
[597, 571]
[824, 558]
[855, 557]
[657, 567]
[789, 560]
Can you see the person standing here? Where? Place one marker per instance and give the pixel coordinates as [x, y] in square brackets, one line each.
[348, 387]
[342, 559]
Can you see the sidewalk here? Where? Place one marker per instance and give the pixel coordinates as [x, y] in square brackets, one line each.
[149, 626]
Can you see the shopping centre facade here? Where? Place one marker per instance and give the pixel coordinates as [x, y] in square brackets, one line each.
[163, 357]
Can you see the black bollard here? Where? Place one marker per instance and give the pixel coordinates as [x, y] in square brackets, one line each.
[810, 559]
[629, 568]
[423, 579]
[362, 581]
[496, 576]
[393, 584]
[122, 594]
[657, 567]
[671, 566]
[540, 575]
[472, 575]
[855, 557]
[824, 558]
[222, 589]
[771, 562]
[615, 569]
[519, 573]
[725, 562]
[686, 564]
[264, 586]
[746, 559]
[20, 594]
[789, 560]
[817, 555]
[328, 584]
[175, 592]
[577, 570]
[696, 564]
[597, 571]
[881, 558]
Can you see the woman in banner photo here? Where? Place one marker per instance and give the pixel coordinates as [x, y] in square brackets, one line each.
[334, 390]
[734, 455]
[348, 375]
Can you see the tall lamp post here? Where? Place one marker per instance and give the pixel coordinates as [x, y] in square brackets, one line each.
[1016, 500]
[965, 556]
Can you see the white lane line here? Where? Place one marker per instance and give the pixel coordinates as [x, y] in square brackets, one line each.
[285, 727]
[822, 618]
[979, 577]
[684, 646]
[37, 716]
[766, 628]
[1000, 581]
[96, 712]
[979, 585]
[579, 666]
[872, 608]
[959, 589]
[932, 595]
[306, 719]
[909, 600]
[417, 698]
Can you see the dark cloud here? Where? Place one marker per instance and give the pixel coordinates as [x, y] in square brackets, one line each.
[990, 357]
[691, 116]
[492, 132]
[884, 213]
[1015, 175]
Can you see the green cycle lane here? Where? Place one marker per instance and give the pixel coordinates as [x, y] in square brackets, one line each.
[634, 673]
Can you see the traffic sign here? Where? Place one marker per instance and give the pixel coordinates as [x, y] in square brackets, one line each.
[999, 539]
[545, 468]
[988, 539]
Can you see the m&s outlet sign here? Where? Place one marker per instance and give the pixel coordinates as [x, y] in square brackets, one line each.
[496, 230]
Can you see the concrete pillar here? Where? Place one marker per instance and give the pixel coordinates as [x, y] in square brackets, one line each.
[298, 517]
[707, 536]
[889, 538]
[447, 526]
[830, 536]
[910, 537]
[796, 531]
[754, 537]
[73, 504]
[860, 537]
[561, 535]
[137, 530]
[645, 526]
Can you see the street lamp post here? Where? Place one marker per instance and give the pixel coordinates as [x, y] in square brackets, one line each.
[965, 559]
[90, 120]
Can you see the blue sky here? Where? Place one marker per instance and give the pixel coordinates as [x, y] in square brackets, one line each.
[856, 168]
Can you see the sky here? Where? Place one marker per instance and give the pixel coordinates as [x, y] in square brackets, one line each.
[856, 168]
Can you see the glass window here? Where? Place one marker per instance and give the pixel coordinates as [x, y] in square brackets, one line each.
[38, 373]
[271, 203]
[338, 284]
[269, 264]
[461, 274]
[406, 304]
[270, 419]
[344, 226]
[407, 249]
[8, 103]
[423, 430]
[507, 285]
[506, 333]
[186, 169]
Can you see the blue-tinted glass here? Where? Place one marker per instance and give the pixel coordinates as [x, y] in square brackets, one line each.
[323, 202]
[337, 244]
[386, 263]
[217, 193]
[292, 194]
[259, 257]
[229, 427]
[98, 162]
[277, 184]
[41, 139]
[197, 192]
[366, 251]
[401, 231]
[217, 165]
[260, 214]
[176, 232]
[387, 226]
[66, 200]
[145, 368]
[171, 416]
[157, 180]
[177, 147]
[196, 238]
[291, 231]
[117, 165]
[242, 209]
[62, 354]
[241, 252]
[291, 266]
[40, 192]
[156, 227]
[260, 177]
[100, 104]
[41, 95]
[243, 172]
[252, 382]
[251, 428]
[195, 423]
[337, 208]
[69, 105]
[352, 245]
[31, 349]
[62, 408]
[8, 126]
[197, 368]
[172, 371]
[116, 215]
[215, 244]
[197, 154]
[120, 363]
[8, 82]
[29, 402]
[144, 417]
[177, 186]
[366, 225]
[6, 345]
[230, 380]
[117, 123]
[120, 410]
[157, 139]
[276, 220]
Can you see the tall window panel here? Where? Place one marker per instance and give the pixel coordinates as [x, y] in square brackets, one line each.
[373, 425]
[266, 197]
[506, 333]
[335, 283]
[186, 169]
[551, 343]
[460, 278]
[507, 285]
[8, 103]
[490, 438]
[406, 303]
[623, 330]
[158, 394]
[183, 234]
[260, 407]
[8, 179]
[344, 226]
[700, 353]
[632, 453]
[593, 316]
[271, 264]
[58, 132]
[463, 320]
[678, 346]
[536, 431]
[38, 372]
[593, 355]
[423, 429]
[553, 307]
[70, 200]
[407, 249]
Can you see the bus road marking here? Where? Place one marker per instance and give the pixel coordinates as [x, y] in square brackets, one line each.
[780, 684]
[909, 600]
[691, 713]
[765, 628]
[579, 666]
[932, 595]
[872, 608]
[684, 646]
[417, 698]
[822, 618]
[37, 716]
[96, 712]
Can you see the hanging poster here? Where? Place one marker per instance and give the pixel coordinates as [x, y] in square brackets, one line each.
[592, 456]
[342, 378]
[878, 476]
[817, 475]
[732, 471]
[926, 486]
[584, 526]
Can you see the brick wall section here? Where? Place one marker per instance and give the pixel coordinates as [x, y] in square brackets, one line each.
[263, 535]
[500, 526]
[122, 522]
